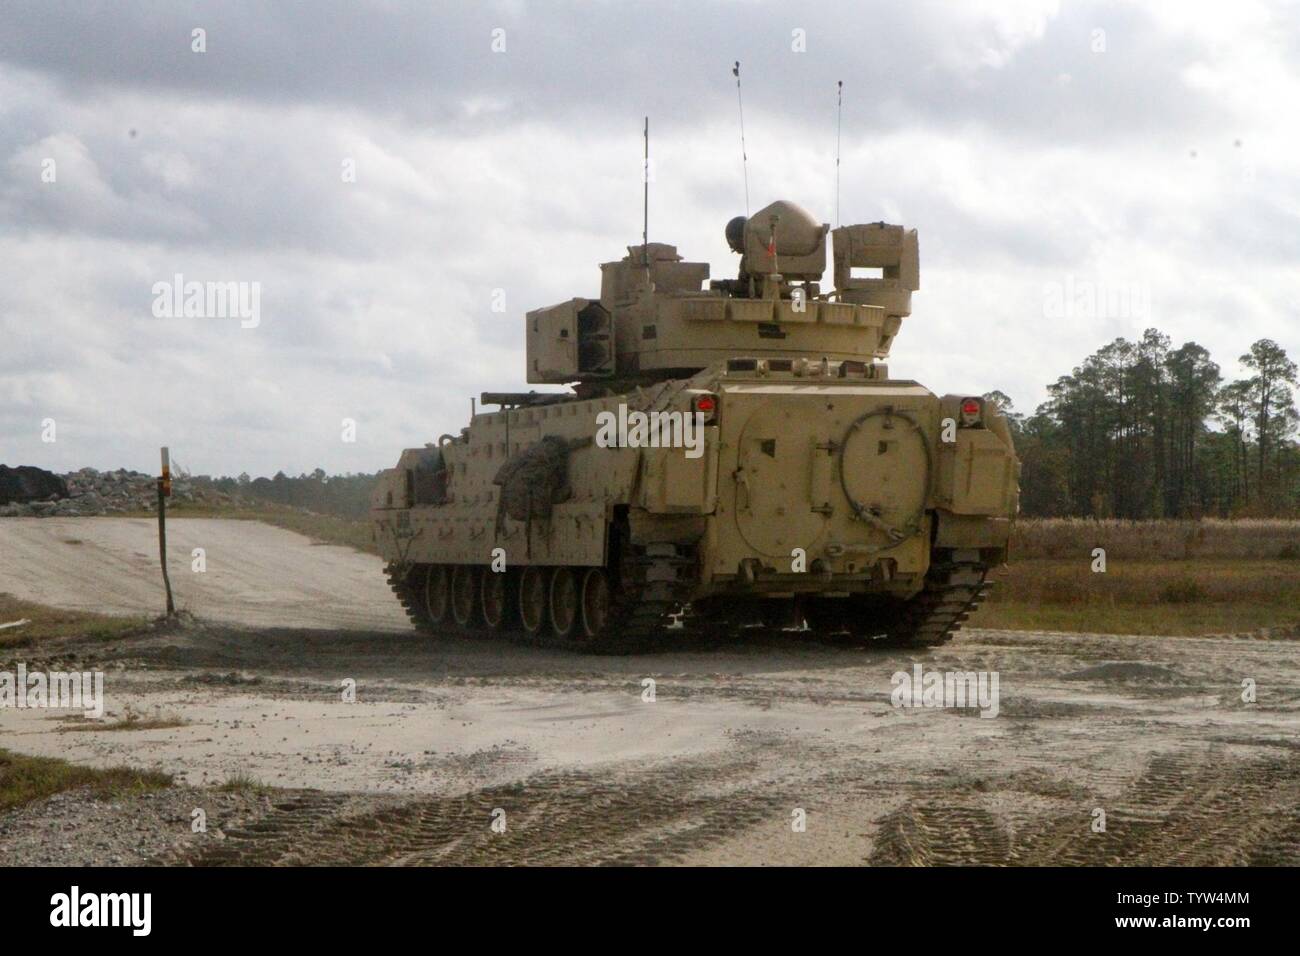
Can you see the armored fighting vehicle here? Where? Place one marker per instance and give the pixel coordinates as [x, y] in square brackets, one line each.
[729, 454]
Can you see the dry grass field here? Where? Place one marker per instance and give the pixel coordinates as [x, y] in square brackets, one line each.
[1205, 596]
[1251, 538]
[1161, 577]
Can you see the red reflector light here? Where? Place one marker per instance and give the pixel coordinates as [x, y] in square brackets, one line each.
[970, 407]
[705, 403]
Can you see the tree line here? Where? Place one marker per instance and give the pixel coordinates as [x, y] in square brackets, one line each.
[346, 495]
[1145, 430]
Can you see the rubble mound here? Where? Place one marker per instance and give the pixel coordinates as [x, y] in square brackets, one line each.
[92, 492]
[27, 483]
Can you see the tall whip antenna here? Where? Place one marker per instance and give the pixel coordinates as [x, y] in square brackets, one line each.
[645, 198]
[839, 122]
[744, 158]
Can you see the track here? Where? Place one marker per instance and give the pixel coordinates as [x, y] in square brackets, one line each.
[655, 583]
[953, 590]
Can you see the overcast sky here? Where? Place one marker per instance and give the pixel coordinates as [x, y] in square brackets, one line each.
[1147, 152]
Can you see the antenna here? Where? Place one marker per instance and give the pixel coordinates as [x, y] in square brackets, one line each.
[839, 121]
[744, 159]
[645, 200]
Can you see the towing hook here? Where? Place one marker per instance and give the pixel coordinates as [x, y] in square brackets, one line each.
[748, 571]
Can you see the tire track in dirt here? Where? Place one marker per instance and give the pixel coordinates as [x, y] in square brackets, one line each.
[1200, 808]
[631, 816]
[930, 834]
[1191, 808]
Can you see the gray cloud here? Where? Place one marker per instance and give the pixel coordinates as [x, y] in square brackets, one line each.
[582, 63]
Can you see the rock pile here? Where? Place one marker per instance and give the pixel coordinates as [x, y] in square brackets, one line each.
[27, 483]
[91, 492]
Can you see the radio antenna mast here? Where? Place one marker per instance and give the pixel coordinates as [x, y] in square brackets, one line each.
[744, 158]
[645, 199]
[839, 121]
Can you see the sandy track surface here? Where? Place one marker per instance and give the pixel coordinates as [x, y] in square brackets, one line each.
[256, 574]
[739, 739]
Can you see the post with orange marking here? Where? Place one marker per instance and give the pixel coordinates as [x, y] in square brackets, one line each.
[164, 492]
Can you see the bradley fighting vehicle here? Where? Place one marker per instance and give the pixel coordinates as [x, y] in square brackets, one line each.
[729, 454]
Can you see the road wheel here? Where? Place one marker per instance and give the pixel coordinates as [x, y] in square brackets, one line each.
[532, 600]
[563, 603]
[437, 593]
[464, 594]
[496, 594]
[593, 616]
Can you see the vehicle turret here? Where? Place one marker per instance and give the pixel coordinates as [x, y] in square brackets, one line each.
[655, 320]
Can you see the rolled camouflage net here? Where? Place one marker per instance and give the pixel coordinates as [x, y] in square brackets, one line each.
[534, 481]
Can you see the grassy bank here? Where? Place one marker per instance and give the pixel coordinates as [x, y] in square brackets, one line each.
[1161, 577]
[24, 779]
[48, 622]
[1202, 596]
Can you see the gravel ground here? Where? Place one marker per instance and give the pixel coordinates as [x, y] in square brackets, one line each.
[75, 829]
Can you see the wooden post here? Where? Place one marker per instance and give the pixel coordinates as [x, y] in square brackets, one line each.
[164, 489]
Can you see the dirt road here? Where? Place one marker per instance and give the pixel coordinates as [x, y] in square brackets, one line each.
[776, 751]
[254, 573]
